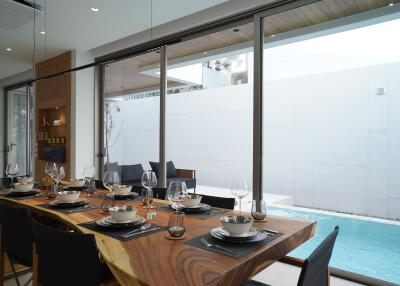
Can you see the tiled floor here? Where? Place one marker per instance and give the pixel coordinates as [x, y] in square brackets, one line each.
[278, 274]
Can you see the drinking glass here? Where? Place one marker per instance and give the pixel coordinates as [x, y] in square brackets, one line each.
[258, 210]
[240, 190]
[88, 174]
[110, 179]
[48, 169]
[147, 198]
[12, 171]
[176, 224]
[176, 193]
[107, 202]
[149, 181]
[57, 175]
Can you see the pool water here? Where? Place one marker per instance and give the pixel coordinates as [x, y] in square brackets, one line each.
[370, 248]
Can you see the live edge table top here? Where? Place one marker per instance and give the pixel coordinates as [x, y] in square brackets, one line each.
[156, 260]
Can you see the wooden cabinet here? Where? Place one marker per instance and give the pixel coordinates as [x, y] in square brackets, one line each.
[53, 113]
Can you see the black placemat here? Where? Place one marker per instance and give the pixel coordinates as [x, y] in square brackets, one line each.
[116, 233]
[239, 249]
[126, 198]
[199, 215]
[21, 197]
[70, 210]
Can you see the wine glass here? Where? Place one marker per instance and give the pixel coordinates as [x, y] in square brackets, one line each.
[12, 171]
[88, 174]
[258, 210]
[57, 175]
[240, 190]
[110, 179]
[176, 193]
[149, 181]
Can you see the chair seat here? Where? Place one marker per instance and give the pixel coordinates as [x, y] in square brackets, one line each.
[254, 283]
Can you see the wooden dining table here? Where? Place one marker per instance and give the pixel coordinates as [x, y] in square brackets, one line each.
[156, 260]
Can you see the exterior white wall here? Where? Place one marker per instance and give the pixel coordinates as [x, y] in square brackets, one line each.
[329, 140]
[82, 115]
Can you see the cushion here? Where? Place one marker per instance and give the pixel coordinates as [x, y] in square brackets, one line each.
[190, 183]
[131, 173]
[171, 171]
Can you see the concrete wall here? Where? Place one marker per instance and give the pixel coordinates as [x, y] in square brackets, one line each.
[330, 140]
[4, 83]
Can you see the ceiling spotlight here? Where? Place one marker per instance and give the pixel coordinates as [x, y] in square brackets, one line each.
[236, 30]
[205, 53]
[273, 35]
[9, 50]
[42, 32]
[94, 9]
[391, 4]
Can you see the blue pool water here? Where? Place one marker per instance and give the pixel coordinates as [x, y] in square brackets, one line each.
[365, 247]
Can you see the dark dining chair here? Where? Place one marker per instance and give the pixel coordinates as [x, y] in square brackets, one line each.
[5, 182]
[218, 202]
[16, 236]
[68, 258]
[315, 268]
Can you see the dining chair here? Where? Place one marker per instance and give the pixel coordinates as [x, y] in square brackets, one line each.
[315, 271]
[68, 258]
[16, 237]
[100, 185]
[5, 182]
[218, 202]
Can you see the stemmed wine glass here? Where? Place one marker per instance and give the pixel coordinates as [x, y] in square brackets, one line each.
[240, 190]
[176, 193]
[110, 179]
[12, 171]
[88, 174]
[149, 181]
[57, 175]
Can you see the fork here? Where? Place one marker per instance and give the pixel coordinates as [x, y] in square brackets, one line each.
[207, 244]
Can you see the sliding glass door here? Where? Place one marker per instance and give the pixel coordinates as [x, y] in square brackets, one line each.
[329, 104]
[19, 123]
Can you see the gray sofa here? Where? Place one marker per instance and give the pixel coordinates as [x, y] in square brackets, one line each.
[132, 174]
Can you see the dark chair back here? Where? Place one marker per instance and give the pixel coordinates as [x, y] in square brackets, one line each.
[5, 182]
[218, 202]
[315, 269]
[16, 234]
[100, 185]
[63, 252]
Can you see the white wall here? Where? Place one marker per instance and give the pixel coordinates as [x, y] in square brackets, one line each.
[329, 140]
[82, 115]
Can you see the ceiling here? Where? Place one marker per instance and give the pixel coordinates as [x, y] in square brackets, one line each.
[72, 25]
[125, 76]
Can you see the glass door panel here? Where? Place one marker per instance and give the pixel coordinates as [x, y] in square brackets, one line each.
[18, 126]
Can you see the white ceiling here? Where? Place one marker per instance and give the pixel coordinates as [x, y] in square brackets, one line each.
[72, 25]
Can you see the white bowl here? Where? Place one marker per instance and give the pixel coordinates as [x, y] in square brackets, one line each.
[77, 182]
[192, 201]
[68, 196]
[122, 190]
[19, 187]
[234, 224]
[122, 214]
[25, 180]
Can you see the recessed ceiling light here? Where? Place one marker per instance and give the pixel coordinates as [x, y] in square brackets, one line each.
[205, 53]
[94, 9]
[9, 50]
[272, 35]
[391, 4]
[236, 30]
[42, 32]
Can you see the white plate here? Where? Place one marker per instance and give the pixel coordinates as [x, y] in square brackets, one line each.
[199, 206]
[223, 232]
[135, 219]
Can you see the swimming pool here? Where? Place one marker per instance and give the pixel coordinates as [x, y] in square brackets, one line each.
[367, 247]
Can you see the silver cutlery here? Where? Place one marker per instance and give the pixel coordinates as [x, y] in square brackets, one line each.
[207, 244]
[140, 232]
[147, 225]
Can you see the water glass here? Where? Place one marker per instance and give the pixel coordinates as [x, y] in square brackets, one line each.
[12, 171]
[107, 202]
[258, 210]
[147, 198]
[176, 224]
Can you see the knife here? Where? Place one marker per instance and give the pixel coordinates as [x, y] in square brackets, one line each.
[140, 232]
